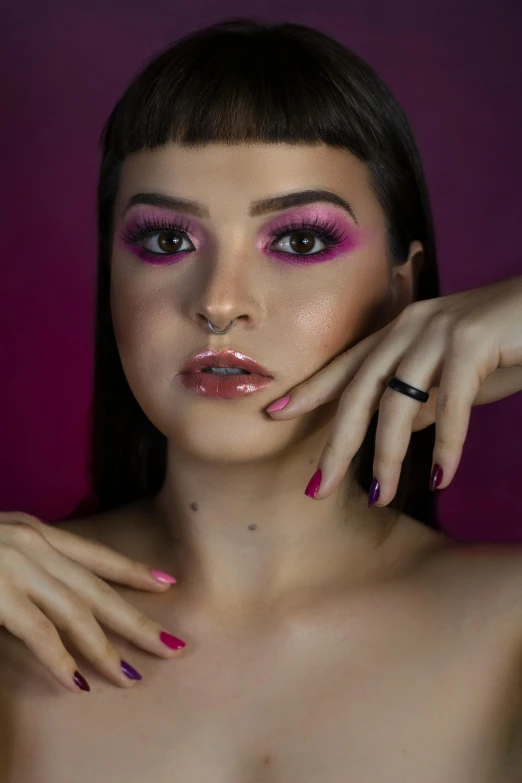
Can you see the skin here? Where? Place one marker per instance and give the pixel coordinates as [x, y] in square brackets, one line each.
[326, 640]
[255, 537]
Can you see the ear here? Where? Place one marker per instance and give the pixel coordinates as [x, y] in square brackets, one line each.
[404, 277]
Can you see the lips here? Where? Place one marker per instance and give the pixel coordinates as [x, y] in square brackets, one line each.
[226, 358]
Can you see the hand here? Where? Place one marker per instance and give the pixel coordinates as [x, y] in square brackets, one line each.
[50, 578]
[465, 349]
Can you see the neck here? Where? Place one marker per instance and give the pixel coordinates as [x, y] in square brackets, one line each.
[237, 536]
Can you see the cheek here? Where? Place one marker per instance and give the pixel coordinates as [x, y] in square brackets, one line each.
[350, 310]
[139, 326]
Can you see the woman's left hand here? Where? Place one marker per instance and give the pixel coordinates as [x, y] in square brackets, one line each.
[464, 348]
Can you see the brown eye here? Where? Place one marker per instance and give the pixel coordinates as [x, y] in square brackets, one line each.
[304, 244]
[300, 242]
[165, 242]
[169, 241]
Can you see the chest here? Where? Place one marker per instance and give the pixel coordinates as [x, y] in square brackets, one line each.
[406, 697]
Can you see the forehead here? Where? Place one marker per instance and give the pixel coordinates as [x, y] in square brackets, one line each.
[244, 172]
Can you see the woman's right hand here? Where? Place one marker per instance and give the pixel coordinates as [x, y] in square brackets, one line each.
[52, 579]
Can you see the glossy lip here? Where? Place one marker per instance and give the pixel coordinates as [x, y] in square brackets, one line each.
[226, 358]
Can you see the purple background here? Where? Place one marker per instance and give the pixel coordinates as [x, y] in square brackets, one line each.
[456, 69]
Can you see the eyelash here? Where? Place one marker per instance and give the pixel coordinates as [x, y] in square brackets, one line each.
[148, 227]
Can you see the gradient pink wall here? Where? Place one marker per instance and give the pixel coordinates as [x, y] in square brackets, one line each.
[455, 67]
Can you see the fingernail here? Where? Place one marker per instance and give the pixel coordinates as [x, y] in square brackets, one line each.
[373, 495]
[171, 641]
[162, 577]
[278, 404]
[80, 681]
[313, 484]
[130, 671]
[436, 476]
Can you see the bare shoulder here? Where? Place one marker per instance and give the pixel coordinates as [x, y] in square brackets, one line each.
[485, 581]
[119, 528]
[490, 576]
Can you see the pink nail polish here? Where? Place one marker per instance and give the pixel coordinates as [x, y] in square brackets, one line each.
[162, 577]
[314, 484]
[278, 404]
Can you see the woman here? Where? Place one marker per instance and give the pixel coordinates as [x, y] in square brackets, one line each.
[262, 207]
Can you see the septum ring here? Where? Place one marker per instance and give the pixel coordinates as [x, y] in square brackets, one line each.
[217, 331]
[405, 388]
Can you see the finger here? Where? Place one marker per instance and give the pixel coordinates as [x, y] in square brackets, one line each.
[24, 620]
[356, 407]
[420, 367]
[94, 556]
[358, 403]
[329, 383]
[26, 589]
[105, 603]
[503, 382]
[458, 389]
[426, 413]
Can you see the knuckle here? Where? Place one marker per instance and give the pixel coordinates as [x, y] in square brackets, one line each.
[465, 333]
[42, 628]
[385, 459]
[444, 403]
[411, 311]
[329, 449]
[78, 611]
[21, 534]
[391, 401]
[102, 588]
[144, 622]
[442, 320]
[446, 442]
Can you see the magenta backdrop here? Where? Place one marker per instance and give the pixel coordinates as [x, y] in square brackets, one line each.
[456, 69]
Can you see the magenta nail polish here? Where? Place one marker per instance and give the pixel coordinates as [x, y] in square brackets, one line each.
[373, 495]
[171, 641]
[314, 484]
[436, 476]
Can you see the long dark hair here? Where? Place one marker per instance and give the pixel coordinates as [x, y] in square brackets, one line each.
[245, 81]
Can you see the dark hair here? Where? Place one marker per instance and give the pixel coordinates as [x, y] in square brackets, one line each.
[245, 81]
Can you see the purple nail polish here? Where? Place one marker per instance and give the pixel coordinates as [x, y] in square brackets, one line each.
[373, 495]
[436, 476]
[314, 484]
[130, 671]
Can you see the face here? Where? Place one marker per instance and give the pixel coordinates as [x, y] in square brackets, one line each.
[303, 282]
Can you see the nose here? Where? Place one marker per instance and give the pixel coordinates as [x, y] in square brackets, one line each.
[229, 293]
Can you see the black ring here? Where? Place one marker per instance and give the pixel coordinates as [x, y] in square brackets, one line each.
[405, 388]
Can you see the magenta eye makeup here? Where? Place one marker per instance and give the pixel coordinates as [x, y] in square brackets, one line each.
[171, 235]
[142, 228]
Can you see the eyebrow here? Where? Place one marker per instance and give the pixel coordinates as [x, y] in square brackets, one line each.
[257, 208]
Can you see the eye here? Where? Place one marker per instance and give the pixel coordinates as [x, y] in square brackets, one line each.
[301, 242]
[166, 243]
[304, 234]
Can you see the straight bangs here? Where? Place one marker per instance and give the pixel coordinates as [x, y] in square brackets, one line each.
[264, 85]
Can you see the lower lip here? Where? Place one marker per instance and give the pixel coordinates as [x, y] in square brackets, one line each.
[224, 387]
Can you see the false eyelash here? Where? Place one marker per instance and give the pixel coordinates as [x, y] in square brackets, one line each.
[327, 231]
[149, 226]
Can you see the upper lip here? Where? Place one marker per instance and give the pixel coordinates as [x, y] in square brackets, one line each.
[227, 358]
